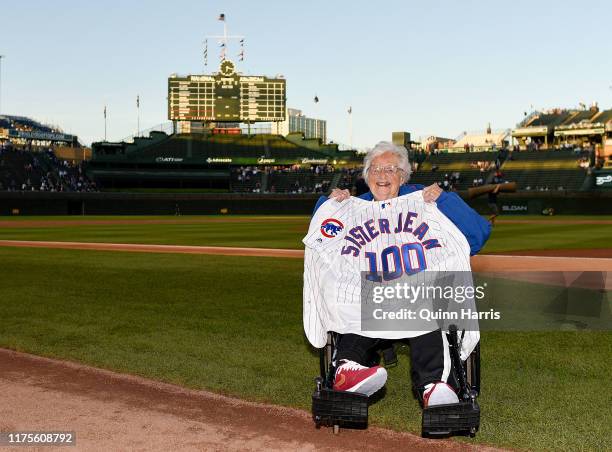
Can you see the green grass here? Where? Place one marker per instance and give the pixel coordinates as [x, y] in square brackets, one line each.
[260, 232]
[234, 325]
[287, 232]
[512, 237]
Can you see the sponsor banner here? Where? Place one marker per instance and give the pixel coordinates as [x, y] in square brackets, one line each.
[315, 161]
[43, 136]
[578, 131]
[603, 179]
[168, 159]
[530, 131]
[219, 160]
[514, 208]
[252, 161]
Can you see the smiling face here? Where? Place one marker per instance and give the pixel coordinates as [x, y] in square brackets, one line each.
[384, 184]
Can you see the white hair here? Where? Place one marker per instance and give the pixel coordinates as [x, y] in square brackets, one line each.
[382, 148]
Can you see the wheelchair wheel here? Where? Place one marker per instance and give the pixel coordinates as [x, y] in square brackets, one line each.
[326, 355]
[472, 370]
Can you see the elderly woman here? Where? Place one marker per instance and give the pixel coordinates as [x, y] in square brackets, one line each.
[386, 172]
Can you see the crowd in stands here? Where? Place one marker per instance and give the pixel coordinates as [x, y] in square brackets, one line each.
[542, 188]
[350, 176]
[24, 124]
[299, 188]
[450, 182]
[244, 173]
[23, 170]
[295, 179]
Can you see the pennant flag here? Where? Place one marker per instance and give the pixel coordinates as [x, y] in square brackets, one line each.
[105, 112]
[316, 99]
[137, 101]
[350, 110]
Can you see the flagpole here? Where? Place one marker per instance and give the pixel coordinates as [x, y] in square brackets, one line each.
[104, 122]
[225, 33]
[223, 41]
[138, 114]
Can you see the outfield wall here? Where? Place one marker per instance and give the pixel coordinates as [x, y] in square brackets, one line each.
[44, 203]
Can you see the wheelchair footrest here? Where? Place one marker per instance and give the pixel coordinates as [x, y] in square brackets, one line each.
[456, 419]
[341, 408]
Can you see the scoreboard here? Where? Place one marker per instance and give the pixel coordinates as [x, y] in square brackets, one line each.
[226, 97]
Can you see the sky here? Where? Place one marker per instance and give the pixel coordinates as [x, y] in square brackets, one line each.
[429, 68]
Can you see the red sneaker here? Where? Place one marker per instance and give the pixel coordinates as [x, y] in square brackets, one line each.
[439, 393]
[353, 377]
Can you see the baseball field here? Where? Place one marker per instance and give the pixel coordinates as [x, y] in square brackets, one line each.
[233, 324]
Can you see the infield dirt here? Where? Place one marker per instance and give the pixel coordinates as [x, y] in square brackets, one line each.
[110, 411]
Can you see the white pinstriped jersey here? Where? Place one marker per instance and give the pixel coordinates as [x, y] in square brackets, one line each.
[350, 237]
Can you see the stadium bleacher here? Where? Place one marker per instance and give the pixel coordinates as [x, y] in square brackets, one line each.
[41, 170]
[548, 119]
[303, 181]
[436, 166]
[25, 124]
[165, 160]
[548, 170]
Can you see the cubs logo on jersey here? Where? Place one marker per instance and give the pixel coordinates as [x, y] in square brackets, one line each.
[331, 227]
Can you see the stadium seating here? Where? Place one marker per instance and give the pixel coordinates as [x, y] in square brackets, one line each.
[25, 124]
[220, 146]
[545, 170]
[23, 170]
[244, 180]
[436, 166]
[547, 119]
[602, 117]
[302, 181]
[579, 116]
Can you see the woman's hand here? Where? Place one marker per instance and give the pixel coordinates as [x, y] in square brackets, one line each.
[431, 193]
[339, 195]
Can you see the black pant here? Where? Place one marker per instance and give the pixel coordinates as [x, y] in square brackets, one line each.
[426, 355]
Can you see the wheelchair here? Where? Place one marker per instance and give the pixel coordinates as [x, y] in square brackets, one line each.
[341, 409]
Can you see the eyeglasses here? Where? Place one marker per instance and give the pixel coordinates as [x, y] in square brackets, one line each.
[390, 170]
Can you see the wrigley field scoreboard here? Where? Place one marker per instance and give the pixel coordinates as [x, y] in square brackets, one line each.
[226, 97]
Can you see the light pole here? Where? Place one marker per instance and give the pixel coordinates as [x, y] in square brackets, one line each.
[350, 114]
[1, 56]
[138, 114]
